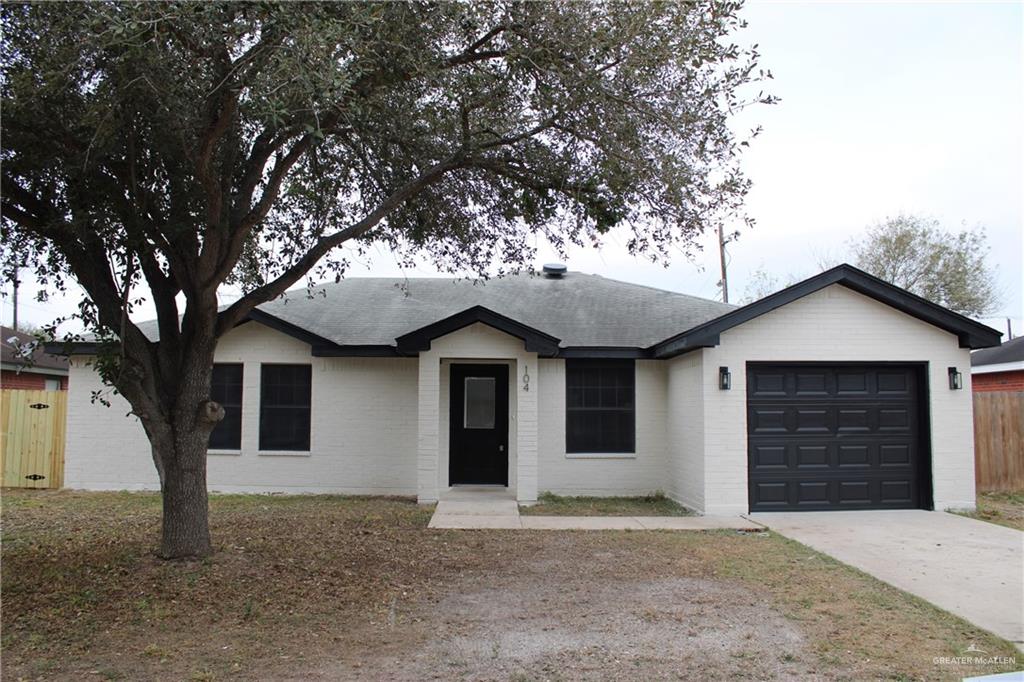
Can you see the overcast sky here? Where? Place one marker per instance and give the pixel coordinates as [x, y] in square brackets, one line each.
[885, 108]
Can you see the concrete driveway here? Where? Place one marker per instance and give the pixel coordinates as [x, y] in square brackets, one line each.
[972, 568]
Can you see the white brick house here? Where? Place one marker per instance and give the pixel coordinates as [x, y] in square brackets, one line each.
[841, 392]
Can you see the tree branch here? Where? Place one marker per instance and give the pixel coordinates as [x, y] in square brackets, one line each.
[240, 308]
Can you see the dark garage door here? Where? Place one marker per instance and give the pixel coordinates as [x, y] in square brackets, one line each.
[825, 437]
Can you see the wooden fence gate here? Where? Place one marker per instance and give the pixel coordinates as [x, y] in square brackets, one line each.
[999, 440]
[33, 438]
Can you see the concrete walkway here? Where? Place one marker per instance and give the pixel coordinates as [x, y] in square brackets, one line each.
[488, 511]
[972, 568]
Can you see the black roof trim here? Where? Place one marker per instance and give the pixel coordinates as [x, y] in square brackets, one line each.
[72, 347]
[355, 351]
[536, 341]
[605, 352]
[294, 331]
[971, 334]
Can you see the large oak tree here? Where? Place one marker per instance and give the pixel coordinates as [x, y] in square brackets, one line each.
[160, 150]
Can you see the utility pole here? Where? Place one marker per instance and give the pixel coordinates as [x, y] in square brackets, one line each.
[721, 255]
[1009, 329]
[14, 299]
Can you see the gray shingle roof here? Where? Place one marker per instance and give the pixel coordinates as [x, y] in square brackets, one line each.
[580, 309]
[1008, 351]
[11, 341]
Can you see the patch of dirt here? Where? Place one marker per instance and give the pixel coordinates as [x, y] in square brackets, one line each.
[319, 587]
[567, 627]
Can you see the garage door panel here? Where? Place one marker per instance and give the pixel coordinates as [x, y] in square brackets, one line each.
[853, 419]
[811, 420]
[809, 383]
[895, 492]
[769, 457]
[893, 455]
[768, 384]
[853, 456]
[767, 420]
[851, 383]
[854, 492]
[772, 494]
[895, 383]
[813, 456]
[833, 437]
[814, 493]
[892, 419]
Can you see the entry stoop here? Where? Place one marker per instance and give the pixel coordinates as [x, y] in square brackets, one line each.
[476, 508]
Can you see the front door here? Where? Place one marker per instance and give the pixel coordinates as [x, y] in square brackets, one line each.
[478, 442]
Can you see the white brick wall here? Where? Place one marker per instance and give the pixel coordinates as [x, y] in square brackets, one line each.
[363, 431]
[685, 429]
[640, 473]
[836, 325]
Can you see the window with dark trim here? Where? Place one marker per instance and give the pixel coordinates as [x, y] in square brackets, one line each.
[226, 389]
[600, 406]
[285, 392]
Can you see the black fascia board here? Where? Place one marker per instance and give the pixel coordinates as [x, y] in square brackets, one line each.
[355, 351]
[69, 348]
[605, 352]
[970, 334]
[419, 340]
[289, 329]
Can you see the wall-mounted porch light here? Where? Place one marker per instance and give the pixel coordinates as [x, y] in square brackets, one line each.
[724, 378]
[526, 377]
[956, 380]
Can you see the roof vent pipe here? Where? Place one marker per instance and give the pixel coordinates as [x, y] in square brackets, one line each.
[554, 270]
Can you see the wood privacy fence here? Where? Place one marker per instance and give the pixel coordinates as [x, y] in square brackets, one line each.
[33, 438]
[999, 440]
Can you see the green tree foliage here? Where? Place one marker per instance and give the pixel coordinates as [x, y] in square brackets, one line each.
[948, 268]
[158, 150]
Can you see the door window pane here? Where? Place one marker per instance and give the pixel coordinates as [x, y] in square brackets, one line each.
[479, 403]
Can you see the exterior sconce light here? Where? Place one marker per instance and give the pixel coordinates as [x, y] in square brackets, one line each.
[956, 379]
[724, 378]
[526, 377]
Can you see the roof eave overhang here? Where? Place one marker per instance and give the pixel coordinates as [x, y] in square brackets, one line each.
[33, 369]
[970, 334]
[420, 339]
[605, 352]
[69, 348]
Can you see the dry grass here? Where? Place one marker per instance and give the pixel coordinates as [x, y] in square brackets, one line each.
[549, 504]
[1004, 508]
[342, 588]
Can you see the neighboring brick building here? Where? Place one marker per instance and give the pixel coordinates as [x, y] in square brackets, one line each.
[1000, 368]
[44, 372]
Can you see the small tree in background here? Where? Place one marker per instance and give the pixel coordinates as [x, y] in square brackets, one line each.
[156, 151]
[915, 253]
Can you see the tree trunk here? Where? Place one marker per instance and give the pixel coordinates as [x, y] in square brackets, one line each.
[179, 439]
[186, 530]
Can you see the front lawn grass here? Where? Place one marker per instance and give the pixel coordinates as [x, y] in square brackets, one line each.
[1004, 508]
[549, 504]
[326, 587]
